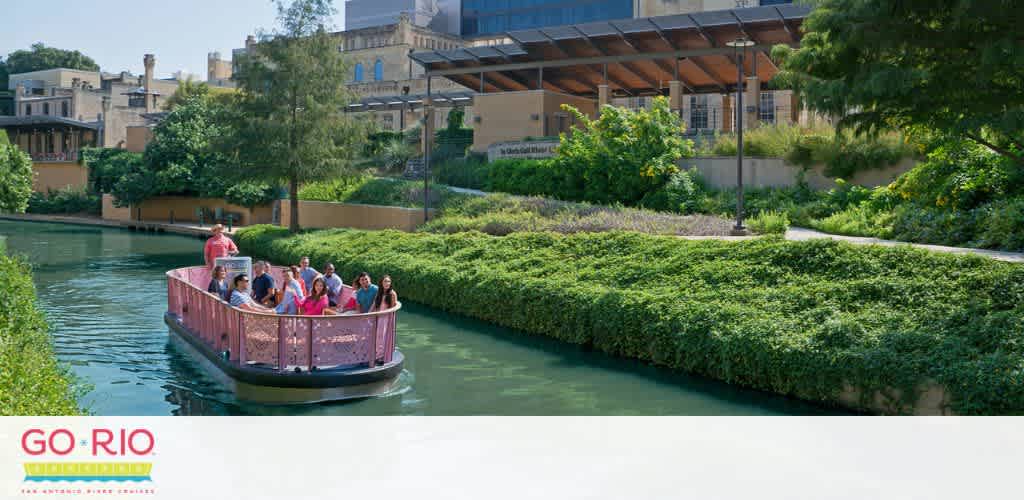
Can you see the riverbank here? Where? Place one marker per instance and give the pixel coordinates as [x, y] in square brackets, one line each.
[888, 330]
[32, 382]
[157, 227]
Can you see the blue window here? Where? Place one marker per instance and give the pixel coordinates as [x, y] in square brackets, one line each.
[359, 72]
[484, 17]
[378, 70]
[775, 2]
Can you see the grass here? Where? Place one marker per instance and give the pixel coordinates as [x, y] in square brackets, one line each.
[806, 319]
[32, 382]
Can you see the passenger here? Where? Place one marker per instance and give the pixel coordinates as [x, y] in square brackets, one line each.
[298, 276]
[366, 291]
[263, 283]
[308, 274]
[219, 283]
[334, 285]
[240, 297]
[291, 291]
[316, 302]
[218, 246]
[386, 295]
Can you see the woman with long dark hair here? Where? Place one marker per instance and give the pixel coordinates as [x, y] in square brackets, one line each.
[219, 283]
[315, 303]
[386, 295]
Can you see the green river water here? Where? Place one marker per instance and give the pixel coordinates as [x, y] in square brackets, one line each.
[104, 292]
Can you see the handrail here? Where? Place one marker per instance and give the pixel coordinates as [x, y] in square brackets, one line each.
[281, 342]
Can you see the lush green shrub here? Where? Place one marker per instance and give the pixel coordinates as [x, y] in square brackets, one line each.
[15, 178]
[800, 318]
[374, 191]
[769, 222]
[32, 382]
[624, 154]
[469, 173]
[65, 201]
[843, 154]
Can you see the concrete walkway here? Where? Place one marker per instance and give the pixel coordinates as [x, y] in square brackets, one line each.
[803, 234]
[188, 229]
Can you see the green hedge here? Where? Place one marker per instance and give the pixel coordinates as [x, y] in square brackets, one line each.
[797, 318]
[65, 201]
[32, 382]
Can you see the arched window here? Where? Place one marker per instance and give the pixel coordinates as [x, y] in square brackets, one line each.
[359, 72]
[378, 70]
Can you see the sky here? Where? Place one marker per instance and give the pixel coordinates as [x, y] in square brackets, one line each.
[117, 33]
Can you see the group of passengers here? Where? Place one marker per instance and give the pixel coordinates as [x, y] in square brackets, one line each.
[304, 291]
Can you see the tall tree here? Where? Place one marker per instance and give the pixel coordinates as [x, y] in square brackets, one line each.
[16, 172]
[953, 66]
[42, 57]
[287, 124]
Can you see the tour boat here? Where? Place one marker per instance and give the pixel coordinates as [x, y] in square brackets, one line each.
[276, 358]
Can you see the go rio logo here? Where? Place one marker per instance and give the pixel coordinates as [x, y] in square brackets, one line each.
[98, 445]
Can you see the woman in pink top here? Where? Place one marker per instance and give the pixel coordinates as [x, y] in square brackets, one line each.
[218, 246]
[316, 302]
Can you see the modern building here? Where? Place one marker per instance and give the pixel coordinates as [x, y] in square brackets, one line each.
[441, 16]
[59, 111]
[685, 57]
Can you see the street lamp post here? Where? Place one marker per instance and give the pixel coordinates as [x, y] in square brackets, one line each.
[740, 45]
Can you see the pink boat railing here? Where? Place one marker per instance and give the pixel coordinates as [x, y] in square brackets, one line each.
[278, 341]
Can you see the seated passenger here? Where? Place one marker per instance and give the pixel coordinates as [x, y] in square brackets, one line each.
[240, 296]
[316, 302]
[334, 284]
[306, 273]
[219, 283]
[291, 290]
[263, 283]
[302, 283]
[366, 291]
[386, 295]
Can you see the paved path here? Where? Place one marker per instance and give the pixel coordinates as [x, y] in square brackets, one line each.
[802, 234]
[475, 192]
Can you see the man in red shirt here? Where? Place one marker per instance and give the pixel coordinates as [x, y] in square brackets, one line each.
[218, 246]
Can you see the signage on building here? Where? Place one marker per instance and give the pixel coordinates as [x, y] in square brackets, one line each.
[521, 149]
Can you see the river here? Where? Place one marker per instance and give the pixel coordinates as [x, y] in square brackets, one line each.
[104, 292]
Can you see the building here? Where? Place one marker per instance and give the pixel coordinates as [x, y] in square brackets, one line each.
[387, 82]
[521, 86]
[59, 111]
[485, 18]
[218, 70]
[441, 16]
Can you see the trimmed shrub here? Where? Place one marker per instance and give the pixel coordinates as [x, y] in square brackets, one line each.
[65, 201]
[799, 318]
[32, 382]
[769, 222]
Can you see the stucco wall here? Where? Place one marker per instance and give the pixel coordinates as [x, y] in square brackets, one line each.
[511, 116]
[137, 138]
[322, 214]
[720, 172]
[159, 209]
[111, 212]
[59, 175]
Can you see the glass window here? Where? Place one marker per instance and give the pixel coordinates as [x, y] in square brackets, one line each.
[46, 108]
[698, 112]
[359, 72]
[766, 107]
[378, 70]
[64, 109]
[28, 110]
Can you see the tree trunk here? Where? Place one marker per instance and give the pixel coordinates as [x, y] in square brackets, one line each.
[293, 198]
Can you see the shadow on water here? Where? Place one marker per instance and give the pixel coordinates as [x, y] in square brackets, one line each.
[104, 292]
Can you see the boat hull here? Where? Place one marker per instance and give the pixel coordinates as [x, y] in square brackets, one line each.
[267, 386]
